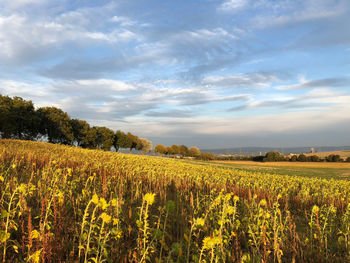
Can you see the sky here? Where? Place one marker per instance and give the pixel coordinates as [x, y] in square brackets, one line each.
[210, 73]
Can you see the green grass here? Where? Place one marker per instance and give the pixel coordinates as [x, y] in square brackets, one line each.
[325, 173]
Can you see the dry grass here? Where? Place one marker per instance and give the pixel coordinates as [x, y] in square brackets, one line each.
[343, 154]
[291, 164]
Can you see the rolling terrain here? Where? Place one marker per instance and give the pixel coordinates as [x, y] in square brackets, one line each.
[67, 204]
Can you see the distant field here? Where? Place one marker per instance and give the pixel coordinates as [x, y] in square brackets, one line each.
[343, 154]
[339, 171]
[291, 164]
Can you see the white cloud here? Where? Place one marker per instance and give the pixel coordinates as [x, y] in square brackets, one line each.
[281, 13]
[124, 21]
[252, 80]
[25, 89]
[94, 85]
[233, 5]
[317, 83]
[15, 4]
[283, 122]
[21, 36]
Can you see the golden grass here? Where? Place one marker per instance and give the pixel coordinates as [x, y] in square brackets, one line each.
[291, 164]
[343, 154]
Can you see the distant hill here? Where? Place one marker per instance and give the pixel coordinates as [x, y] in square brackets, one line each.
[284, 150]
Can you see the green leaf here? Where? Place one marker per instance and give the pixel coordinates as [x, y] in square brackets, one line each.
[4, 213]
[4, 236]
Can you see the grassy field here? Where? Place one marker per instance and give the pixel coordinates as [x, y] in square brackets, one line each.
[67, 204]
[339, 171]
[343, 154]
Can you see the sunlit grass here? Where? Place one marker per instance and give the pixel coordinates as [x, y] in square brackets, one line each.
[68, 204]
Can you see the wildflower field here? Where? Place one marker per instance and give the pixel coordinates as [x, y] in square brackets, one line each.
[66, 204]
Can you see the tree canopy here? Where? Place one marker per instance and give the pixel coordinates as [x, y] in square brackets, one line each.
[20, 120]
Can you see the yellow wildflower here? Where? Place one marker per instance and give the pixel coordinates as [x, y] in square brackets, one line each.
[149, 198]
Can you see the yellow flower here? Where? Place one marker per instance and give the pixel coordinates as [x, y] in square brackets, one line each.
[315, 209]
[95, 199]
[211, 242]
[263, 202]
[199, 221]
[103, 203]
[115, 221]
[149, 198]
[230, 210]
[13, 166]
[105, 217]
[35, 234]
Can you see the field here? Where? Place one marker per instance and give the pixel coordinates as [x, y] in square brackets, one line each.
[343, 154]
[338, 171]
[66, 204]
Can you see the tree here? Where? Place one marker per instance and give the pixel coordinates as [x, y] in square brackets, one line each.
[91, 138]
[294, 158]
[18, 118]
[160, 149]
[6, 125]
[273, 157]
[302, 158]
[333, 158]
[56, 124]
[183, 150]
[144, 145]
[207, 156]
[194, 151]
[80, 130]
[121, 140]
[348, 160]
[132, 140]
[314, 158]
[105, 138]
[175, 149]
[168, 150]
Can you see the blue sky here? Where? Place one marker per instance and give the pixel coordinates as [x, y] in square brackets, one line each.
[211, 73]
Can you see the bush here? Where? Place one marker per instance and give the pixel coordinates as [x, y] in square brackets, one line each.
[273, 157]
[302, 158]
[333, 158]
[294, 158]
[207, 156]
[314, 158]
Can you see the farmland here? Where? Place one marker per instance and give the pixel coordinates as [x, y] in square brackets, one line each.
[338, 171]
[67, 204]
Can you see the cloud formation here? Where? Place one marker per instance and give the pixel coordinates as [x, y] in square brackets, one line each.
[219, 71]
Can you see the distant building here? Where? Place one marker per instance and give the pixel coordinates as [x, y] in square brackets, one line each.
[312, 150]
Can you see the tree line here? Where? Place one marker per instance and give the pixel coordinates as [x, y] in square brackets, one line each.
[278, 157]
[20, 120]
[183, 151]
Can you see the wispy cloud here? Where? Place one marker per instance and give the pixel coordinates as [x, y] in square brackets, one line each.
[317, 83]
[236, 81]
[172, 69]
[233, 5]
[316, 99]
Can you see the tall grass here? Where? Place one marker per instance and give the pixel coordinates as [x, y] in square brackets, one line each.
[65, 204]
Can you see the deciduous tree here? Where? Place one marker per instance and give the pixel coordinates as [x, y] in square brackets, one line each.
[56, 124]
